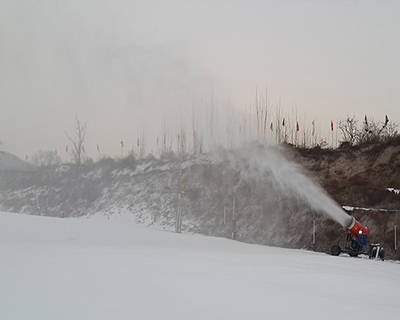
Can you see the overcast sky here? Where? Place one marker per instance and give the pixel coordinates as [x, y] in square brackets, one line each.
[125, 66]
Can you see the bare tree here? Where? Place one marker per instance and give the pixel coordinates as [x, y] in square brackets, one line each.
[371, 132]
[350, 132]
[266, 116]
[46, 158]
[212, 120]
[230, 127]
[196, 134]
[166, 151]
[141, 144]
[389, 130]
[258, 112]
[376, 131]
[262, 116]
[281, 123]
[80, 131]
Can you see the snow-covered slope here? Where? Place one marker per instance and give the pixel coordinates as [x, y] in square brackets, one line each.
[9, 162]
[267, 199]
[98, 268]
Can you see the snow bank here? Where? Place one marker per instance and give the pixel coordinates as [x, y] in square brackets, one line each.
[99, 268]
[396, 191]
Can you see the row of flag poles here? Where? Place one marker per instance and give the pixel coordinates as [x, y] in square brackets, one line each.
[298, 127]
[83, 149]
[271, 127]
[313, 124]
[386, 121]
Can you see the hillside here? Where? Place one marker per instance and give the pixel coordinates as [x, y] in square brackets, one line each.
[357, 176]
[273, 200]
[9, 162]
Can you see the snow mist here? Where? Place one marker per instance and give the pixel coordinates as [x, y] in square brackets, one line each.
[269, 164]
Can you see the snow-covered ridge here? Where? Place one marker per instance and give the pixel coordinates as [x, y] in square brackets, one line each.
[350, 209]
[10, 162]
[396, 191]
[255, 187]
[148, 191]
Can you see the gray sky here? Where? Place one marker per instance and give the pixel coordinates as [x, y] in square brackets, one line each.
[125, 66]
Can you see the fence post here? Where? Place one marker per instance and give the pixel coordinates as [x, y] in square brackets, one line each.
[313, 238]
[395, 234]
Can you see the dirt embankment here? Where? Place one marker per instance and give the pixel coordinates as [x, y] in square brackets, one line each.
[357, 176]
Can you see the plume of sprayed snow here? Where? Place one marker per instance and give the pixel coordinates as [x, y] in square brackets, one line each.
[269, 164]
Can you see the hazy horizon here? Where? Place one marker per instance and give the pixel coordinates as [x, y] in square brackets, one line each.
[127, 67]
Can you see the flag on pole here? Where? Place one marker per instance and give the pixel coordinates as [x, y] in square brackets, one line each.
[331, 125]
[122, 144]
[366, 121]
[297, 126]
[271, 127]
[283, 122]
[386, 121]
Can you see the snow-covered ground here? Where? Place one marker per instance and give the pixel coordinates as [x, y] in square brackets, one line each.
[99, 268]
[396, 191]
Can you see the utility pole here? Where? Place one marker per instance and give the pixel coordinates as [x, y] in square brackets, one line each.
[224, 215]
[233, 209]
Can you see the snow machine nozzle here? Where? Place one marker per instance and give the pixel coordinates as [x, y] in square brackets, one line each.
[355, 227]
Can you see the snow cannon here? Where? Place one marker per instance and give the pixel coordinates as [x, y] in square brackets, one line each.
[354, 241]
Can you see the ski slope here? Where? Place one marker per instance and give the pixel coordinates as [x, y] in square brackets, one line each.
[99, 268]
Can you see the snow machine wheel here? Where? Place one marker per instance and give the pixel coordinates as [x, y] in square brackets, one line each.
[373, 253]
[382, 254]
[335, 250]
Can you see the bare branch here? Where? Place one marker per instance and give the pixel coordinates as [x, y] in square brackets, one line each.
[80, 131]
